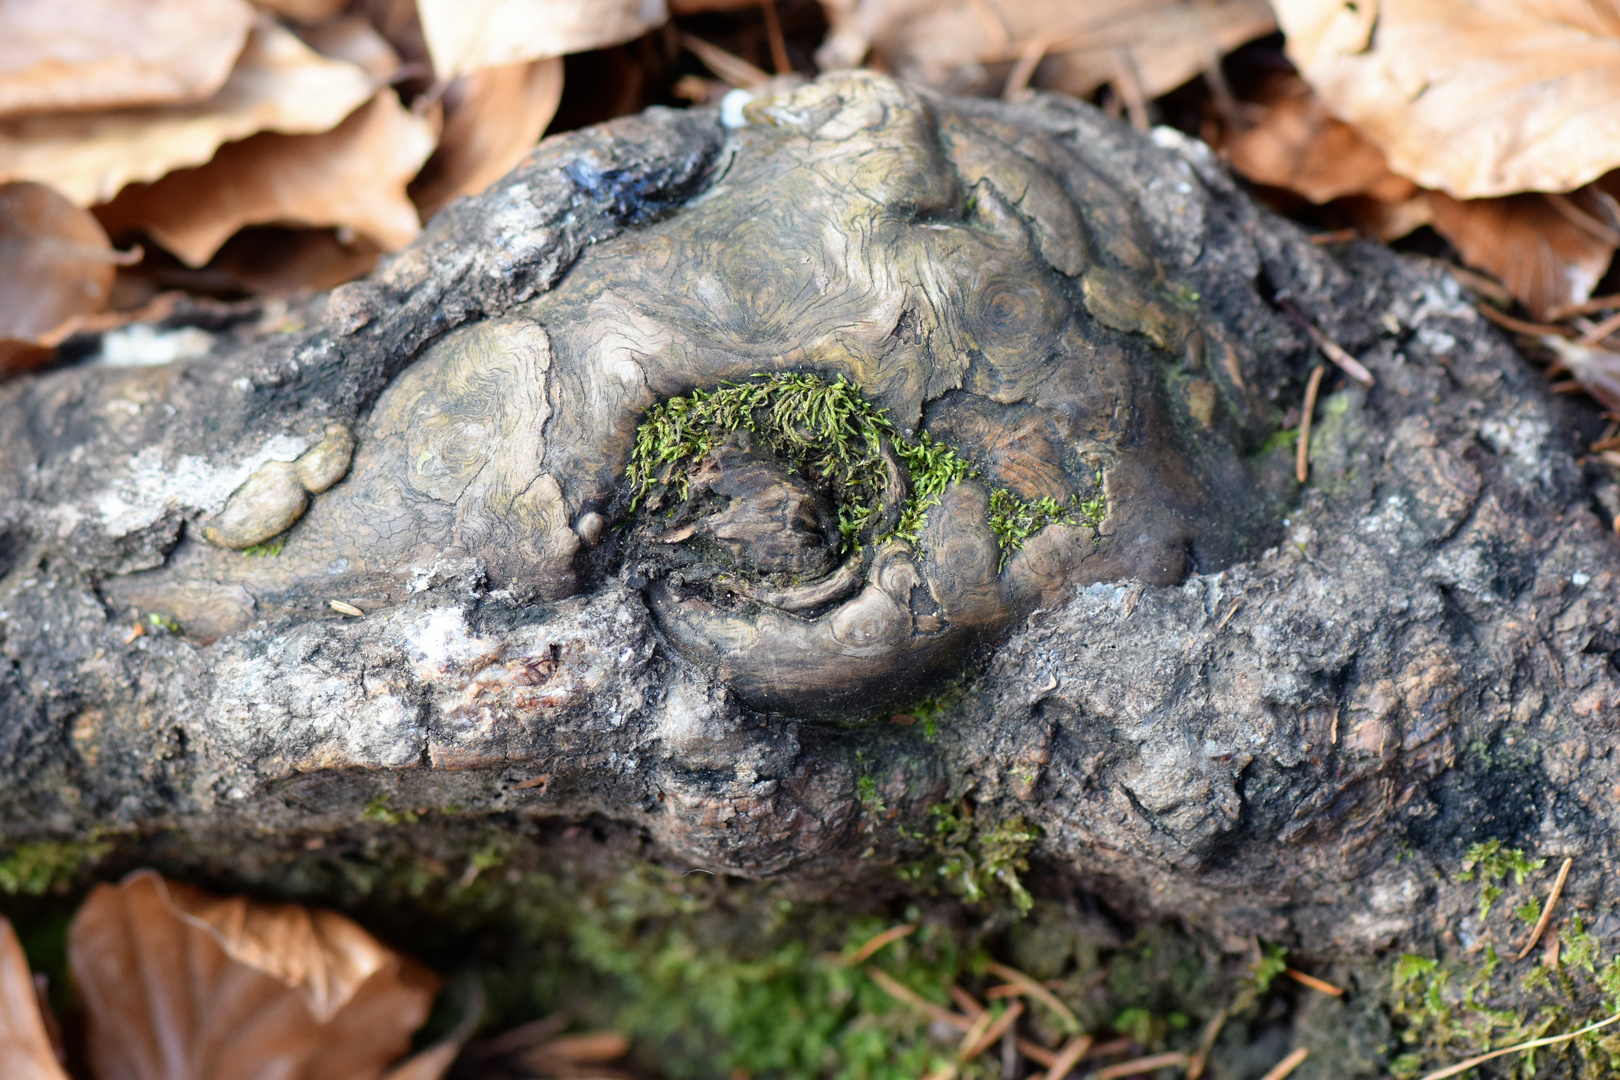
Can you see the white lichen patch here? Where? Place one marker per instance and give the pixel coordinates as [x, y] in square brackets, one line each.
[151, 486]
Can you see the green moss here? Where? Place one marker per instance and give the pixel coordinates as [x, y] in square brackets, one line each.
[972, 859]
[161, 621]
[1453, 1007]
[35, 869]
[379, 812]
[269, 549]
[833, 436]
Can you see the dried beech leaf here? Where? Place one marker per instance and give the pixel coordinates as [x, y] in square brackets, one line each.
[278, 84]
[491, 119]
[1472, 97]
[303, 10]
[107, 54]
[55, 261]
[1549, 250]
[1297, 144]
[180, 984]
[1595, 368]
[352, 176]
[1158, 44]
[430, 1064]
[25, 1046]
[466, 35]
[355, 40]
[280, 261]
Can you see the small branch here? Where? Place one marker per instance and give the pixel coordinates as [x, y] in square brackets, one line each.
[1200, 1058]
[1329, 348]
[1520, 326]
[1302, 452]
[993, 1033]
[893, 933]
[1547, 909]
[1140, 1066]
[1287, 1064]
[1314, 983]
[1037, 991]
[773, 31]
[1067, 1058]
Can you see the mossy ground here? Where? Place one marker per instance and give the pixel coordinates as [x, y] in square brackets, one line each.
[713, 977]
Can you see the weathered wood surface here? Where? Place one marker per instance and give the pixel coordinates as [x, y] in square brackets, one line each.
[1269, 709]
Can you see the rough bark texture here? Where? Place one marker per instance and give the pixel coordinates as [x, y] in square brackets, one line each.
[1300, 745]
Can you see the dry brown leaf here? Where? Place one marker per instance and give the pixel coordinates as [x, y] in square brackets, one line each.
[181, 984]
[702, 7]
[1472, 97]
[284, 261]
[56, 267]
[278, 84]
[466, 35]
[1155, 44]
[25, 1044]
[1549, 250]
[55, 261]
[308, 11]
[1297, 144]
[491, 119]
[353, 176]
[355, 40]
[107, 54]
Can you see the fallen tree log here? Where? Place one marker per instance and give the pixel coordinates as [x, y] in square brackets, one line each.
[386, 558]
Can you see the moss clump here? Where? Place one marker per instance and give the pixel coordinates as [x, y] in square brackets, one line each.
[35, 869]
[974, 859]
[834, 438]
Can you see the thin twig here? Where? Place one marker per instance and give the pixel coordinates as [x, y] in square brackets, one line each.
[1023, 70]
[1287, 1064]
[1586, 307]
[1337, 236]
[1036, 991]
[1600, 331]
[773, 31]
[1547, 909]
[1067, 1058]
[1302, 452]
[729, 66]
[1329, 348]
[1314, 983]
[1038, 1053]
[993, 1033]
[1486, 286]
[893, 933]
[966, 1002]
[1139, 1066]
[1200, 1058]
[1129, 86]
[1520, 326]
[901, 992]
[1464, 1066]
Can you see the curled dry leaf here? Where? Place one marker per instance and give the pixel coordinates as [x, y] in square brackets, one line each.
[1297, 144]
[178, 983]
[1472, 97]
[352, 176]
[56, 266]
[25, 1044]
[1156, 44]
[466, 35]
[491, 119]
[107, 54]
[356, 41]
[1549, 250]
[278, 84]
[303, 10]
